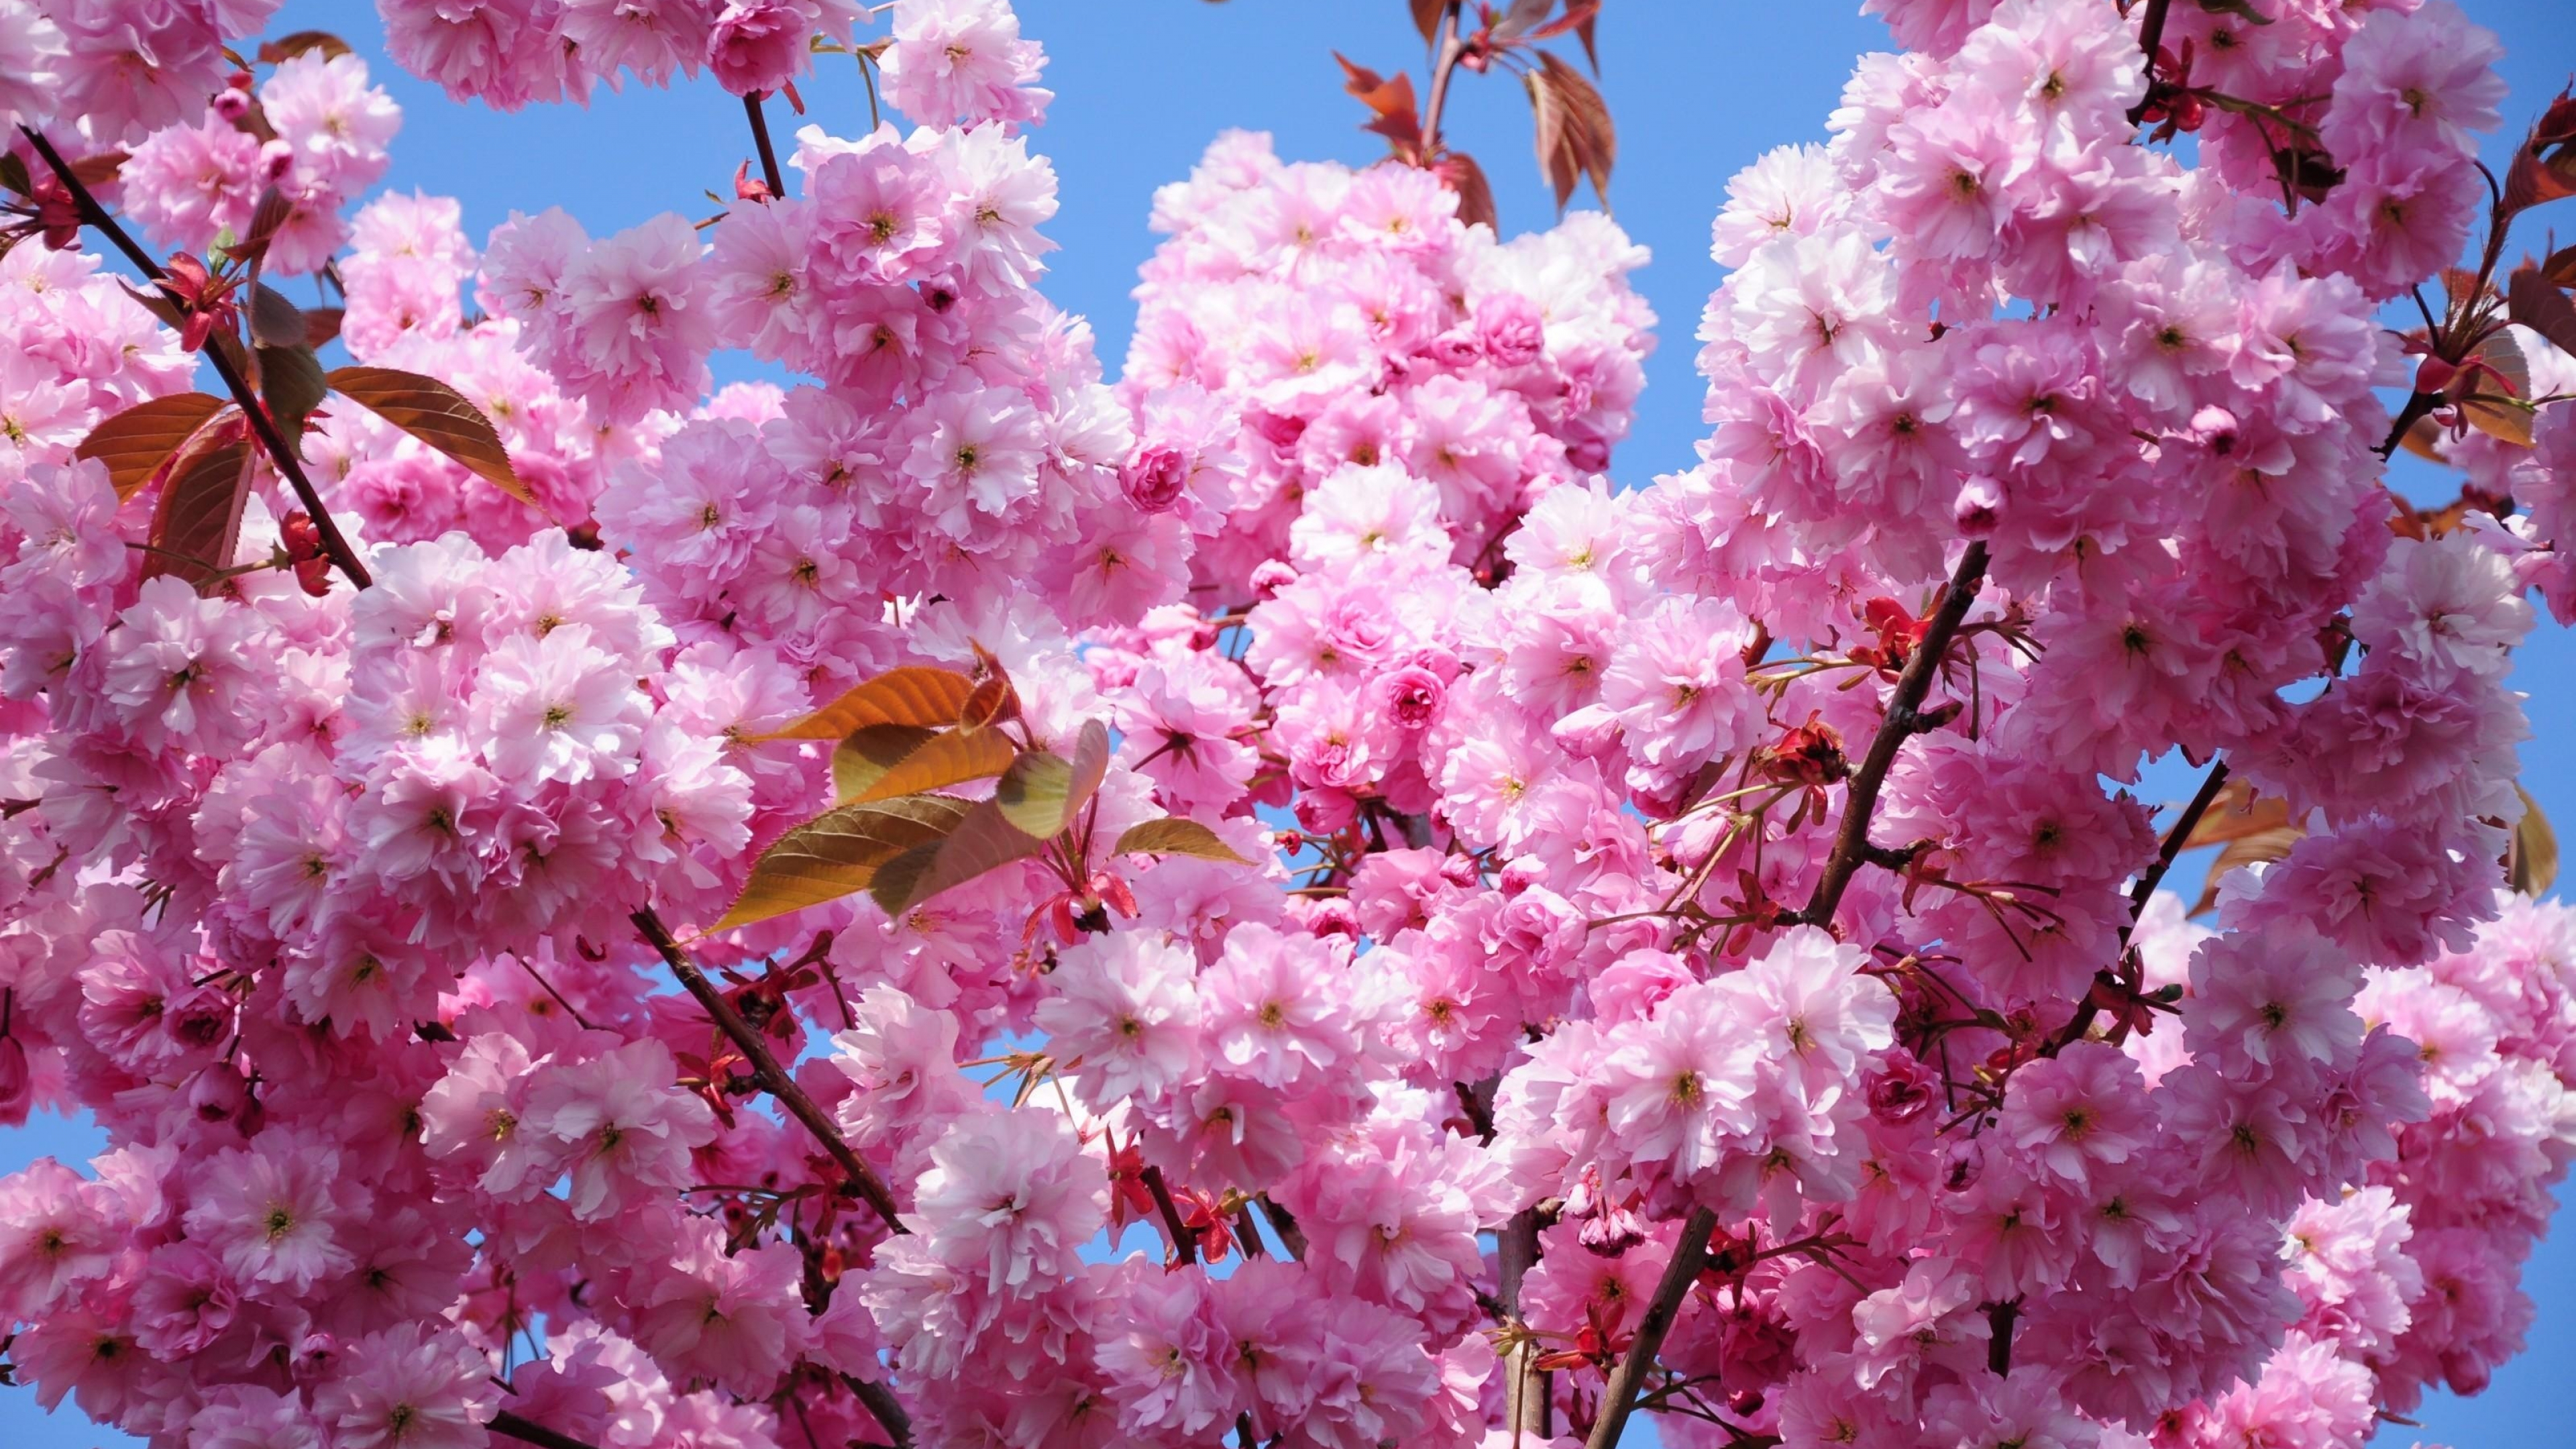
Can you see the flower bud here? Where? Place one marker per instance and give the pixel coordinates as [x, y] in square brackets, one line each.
[1154, 478]
[1980, 505]
[1509, 327]
[17, 1082]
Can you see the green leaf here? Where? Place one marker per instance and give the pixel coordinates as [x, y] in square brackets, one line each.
[438, 415]
[1042, 792]
[135, 443]
[942, 760]
[983, 841]
[1174, 836]
[838, 852]
[863, 758]
[916, 695]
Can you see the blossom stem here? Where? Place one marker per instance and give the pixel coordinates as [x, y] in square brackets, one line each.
[2151, 38]
[1441, 68]
[769, 171]
[1851, 843]
[334, 546]
[2184, 824]
[765, 1067]
[1185, 1243]
[527, 1432]
[1619, 1396]
[883, 1407]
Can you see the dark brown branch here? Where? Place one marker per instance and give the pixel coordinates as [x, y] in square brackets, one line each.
[883, 1407]
[2141, 893]
[765, 1067]
[511, 1425]
[2184, 824]
[2151, 38]
[2000, 1318]
[2419, 406]
[334, 547]
[1619, 1396]
[769, 171]
[1185, 1243]
[1860, 800]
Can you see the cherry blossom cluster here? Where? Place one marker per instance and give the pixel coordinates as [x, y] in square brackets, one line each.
[1693, 948]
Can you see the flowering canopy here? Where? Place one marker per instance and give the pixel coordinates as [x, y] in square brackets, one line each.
[1516, 950]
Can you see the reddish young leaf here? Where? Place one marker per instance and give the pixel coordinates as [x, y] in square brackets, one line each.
[2501, 406]
[1390, 102]
[941, 761]
[291, 385]
[1043, 793]
[198, 520]
[993, 701]
[1574, 137]
[135, 443]
[267, 215]
[1459, 172]
[2532, 301]
[287, 47]
[1518, 19]
[1578, 17]
[1426, 17]
[321, 326]
[915, 694]
[864, 757]
[982, 841]
[2544, 166]
[838, 852]
[275, 321]
[99, 170]
[1176, 837]
[438, 415]
[2531, 858]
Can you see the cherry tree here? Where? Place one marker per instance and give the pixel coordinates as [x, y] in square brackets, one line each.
[1263, 900]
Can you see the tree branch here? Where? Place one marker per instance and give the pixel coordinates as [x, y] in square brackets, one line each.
[883, 1407]
[334, 547]
[527, 1432]
[1185, 1243]
[1442, 65]
[769, 171]
[2151, 38]
[1860, 800]
[2139, 894]
[2184, 824]
[765, 1067]
[1619, 1396]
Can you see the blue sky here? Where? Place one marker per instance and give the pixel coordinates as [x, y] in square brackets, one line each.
[1698, 88]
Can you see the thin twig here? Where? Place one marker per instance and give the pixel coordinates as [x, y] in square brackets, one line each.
[765, 1067]
[1441, 67]
[1619, 1396]
[2184, 824]
[768, 154]
[1851, 844]
[334, 547]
